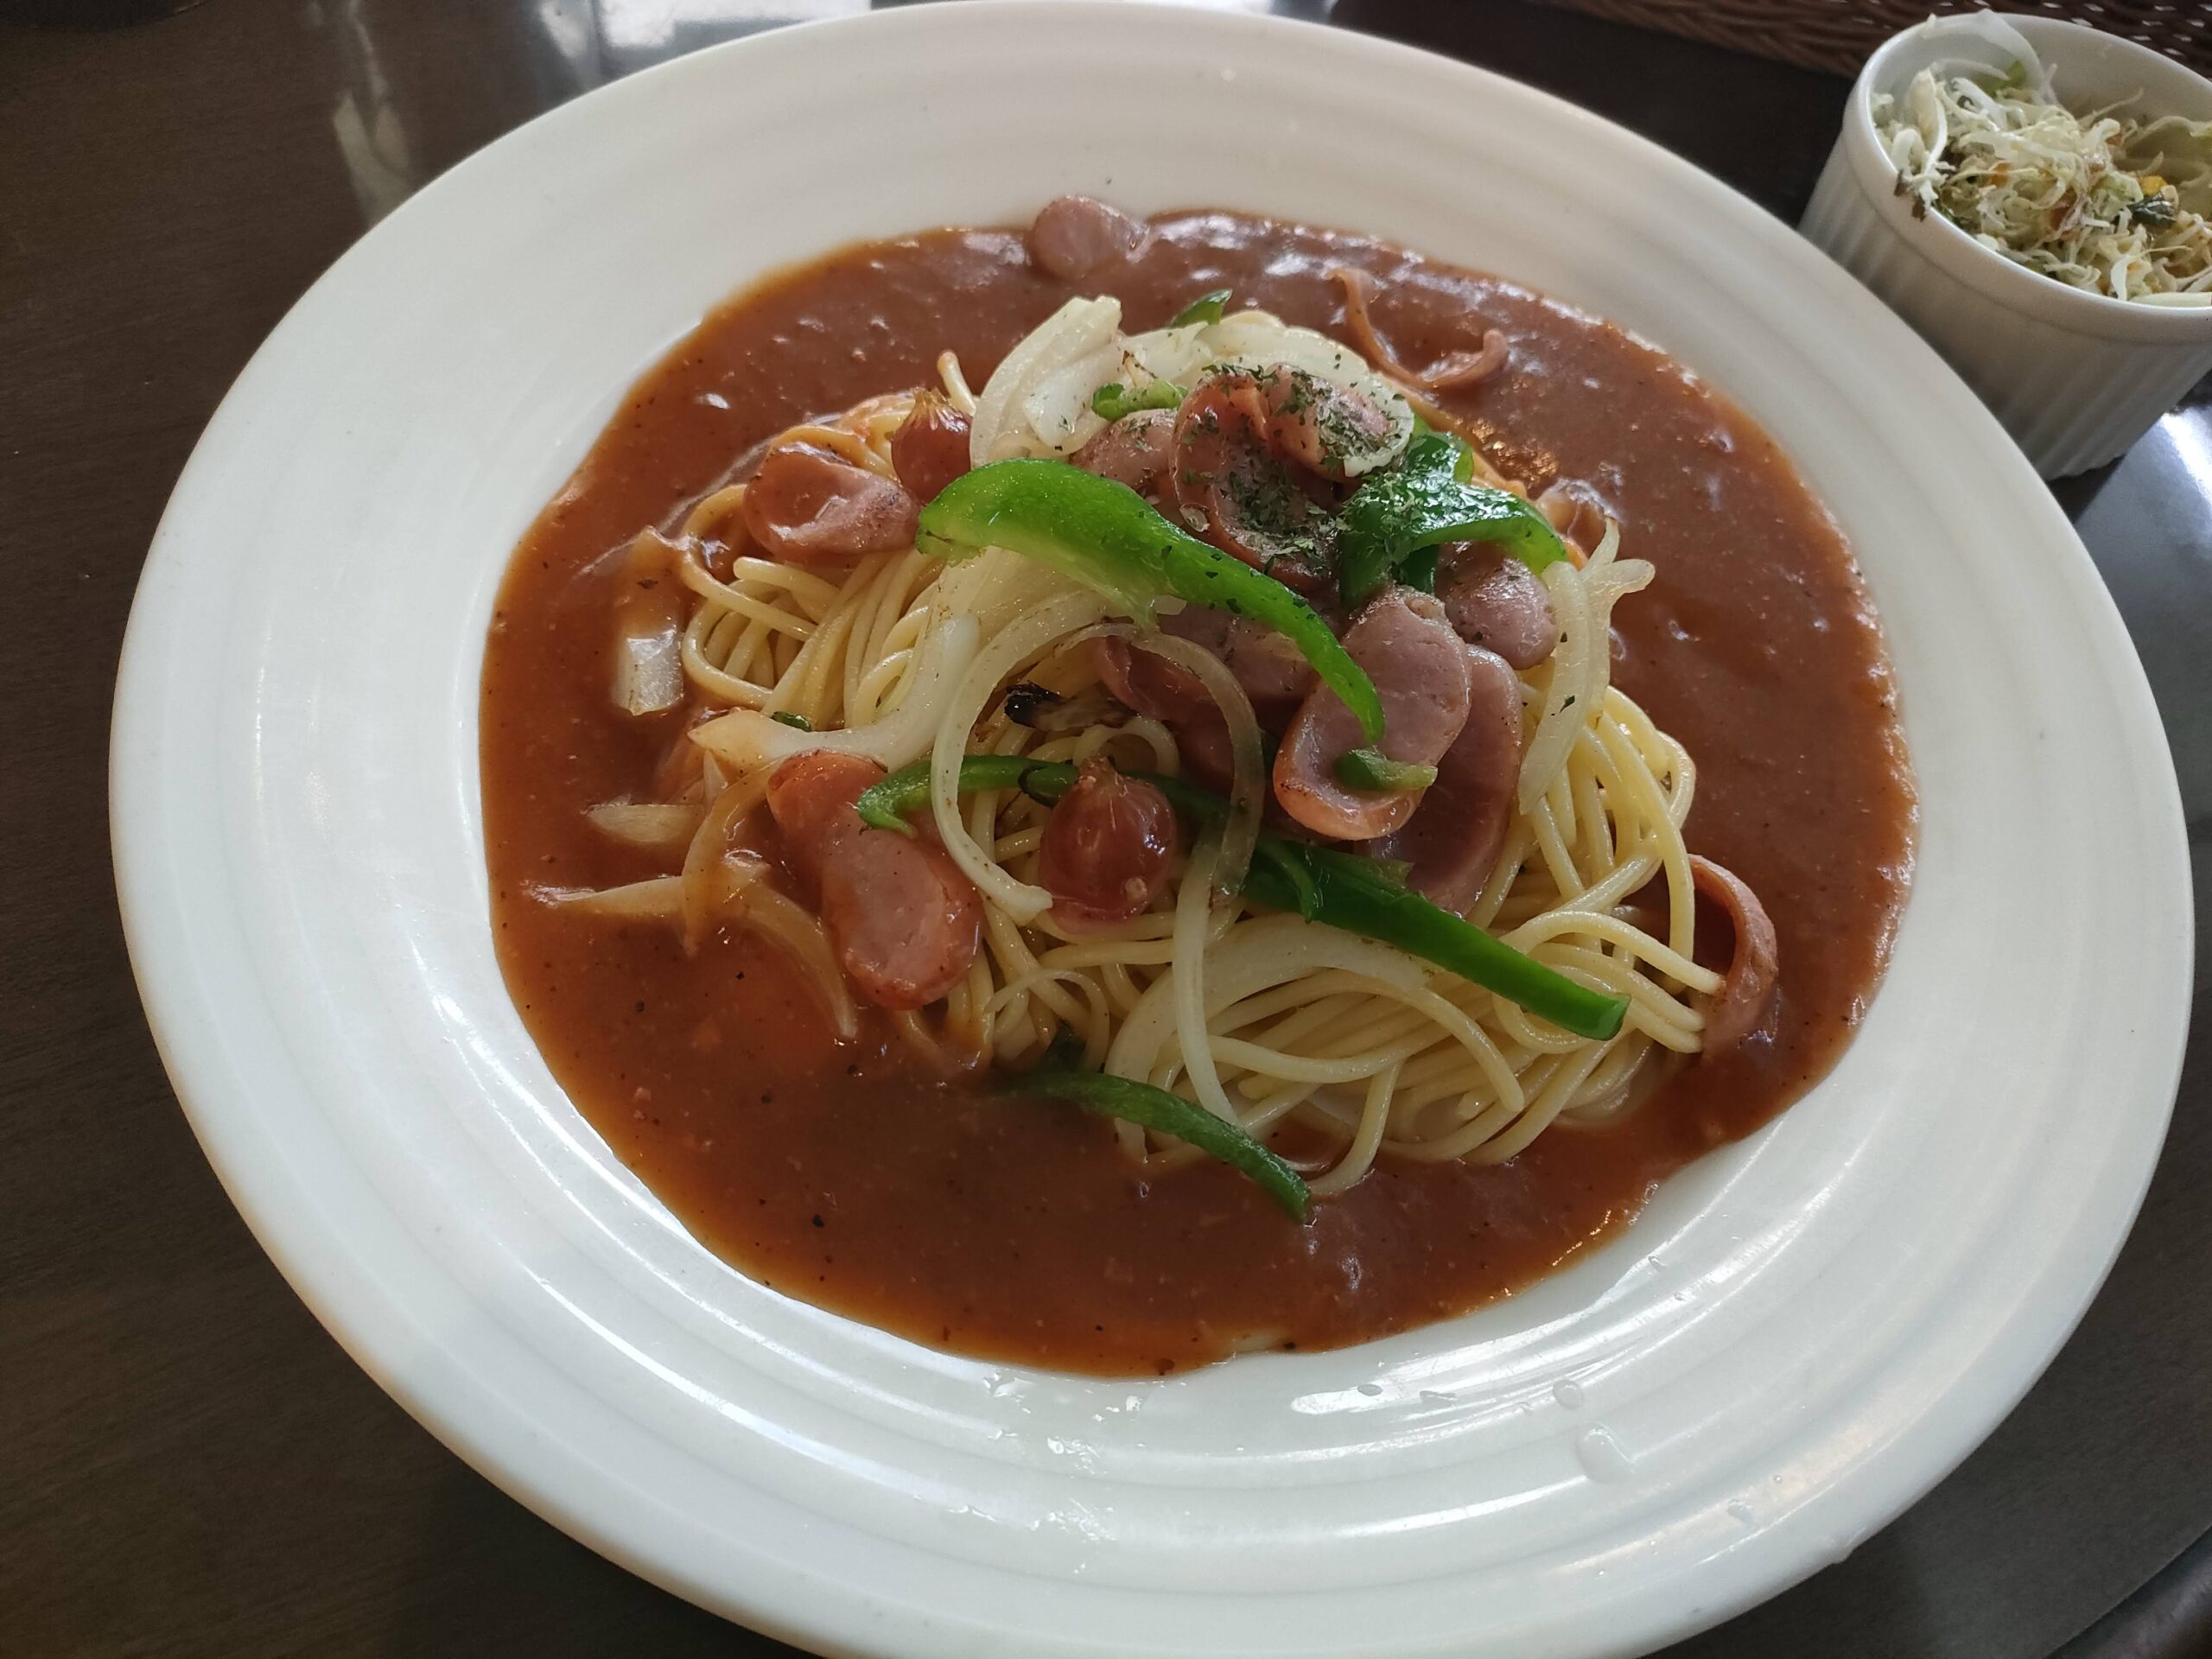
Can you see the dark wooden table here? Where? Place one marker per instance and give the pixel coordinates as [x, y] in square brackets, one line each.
[188, 1464]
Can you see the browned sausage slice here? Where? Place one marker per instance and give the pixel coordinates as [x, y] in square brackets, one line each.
[1270, 669]
[1316, 422]
[1420, 669]
[905, 921]
[806, 505]
[1453, 838]
[1148, 682]
[929, 448]
[1109, 847]
[1236, 487]
[1496, 602]
[1171, 693]
[1074, 236]
[1209, 758]
[810, 797]
[1135, 450]
[1747, 988]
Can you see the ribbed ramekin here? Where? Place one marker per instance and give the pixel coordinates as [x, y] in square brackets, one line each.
[2075, 377]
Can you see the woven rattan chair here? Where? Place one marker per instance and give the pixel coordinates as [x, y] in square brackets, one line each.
[1839, 34]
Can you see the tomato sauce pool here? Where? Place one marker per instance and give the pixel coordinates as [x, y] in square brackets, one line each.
[1013, 1229]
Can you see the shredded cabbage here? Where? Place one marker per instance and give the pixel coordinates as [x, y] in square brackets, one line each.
[2105, 203]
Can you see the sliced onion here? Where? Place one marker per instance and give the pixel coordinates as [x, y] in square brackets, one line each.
[660, 900]
[649, 628]
[1057, 408]
[650, 825]
[1259, 340]
[1175, 355]
[1462, 368]
[703, 887]
[649, 672]
[1248, 788]
[745, 896]
[1014, 644]
[997, 585]
[745, 739]
[1186, 971]
[1077, 329]
[750, 901]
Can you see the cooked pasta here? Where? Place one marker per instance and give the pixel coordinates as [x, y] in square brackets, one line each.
[1262, 1018]
[1164, 849]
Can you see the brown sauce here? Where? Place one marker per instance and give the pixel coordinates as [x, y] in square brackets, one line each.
[1012, 1229]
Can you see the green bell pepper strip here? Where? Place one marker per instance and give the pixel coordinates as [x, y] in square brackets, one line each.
[1375, 773]
[1286, 877]
[1207, 307]
[1116, 400]
[1358, 899]
[888, 804]
[1424, 502]
[1105, 1095]
[1336, 889]
[1106, 537]
[905, 794]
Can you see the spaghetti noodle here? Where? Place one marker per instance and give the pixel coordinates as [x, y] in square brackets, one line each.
[1260, 1017]
[715, 881]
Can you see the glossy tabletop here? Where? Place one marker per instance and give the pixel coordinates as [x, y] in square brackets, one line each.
[188, 1463]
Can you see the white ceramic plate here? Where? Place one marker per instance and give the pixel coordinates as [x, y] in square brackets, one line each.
[1800, 1335]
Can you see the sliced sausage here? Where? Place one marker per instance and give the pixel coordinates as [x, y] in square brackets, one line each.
[1208, 756]
[1496, 602]
[905, 921]
[1135, 450]
[1149, 683]
[1109, 847]
[683, 759]
[1738, 1008]
[1171, 694]
[806, 505]
[1234, 483]
[1419, 668]
[1454, 837]
[1316, 422]
[1074, 236]
[1270, 669]
[810, 797]
[929, 448]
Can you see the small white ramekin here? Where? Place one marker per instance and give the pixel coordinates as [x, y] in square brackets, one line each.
[2075, 377]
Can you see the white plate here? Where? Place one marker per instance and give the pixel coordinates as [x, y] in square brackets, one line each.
[1801, 1334]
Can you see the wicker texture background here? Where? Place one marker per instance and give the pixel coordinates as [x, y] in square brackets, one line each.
[1840, 34]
